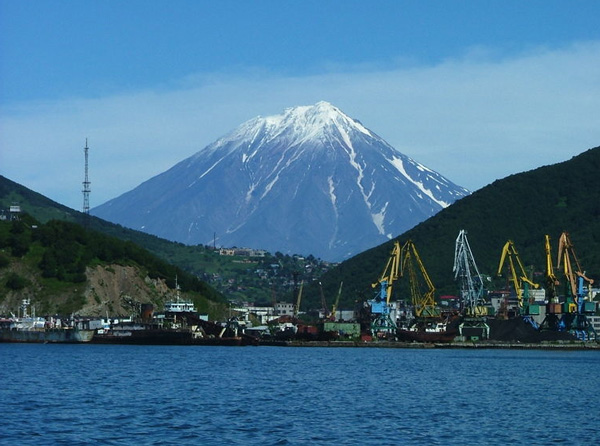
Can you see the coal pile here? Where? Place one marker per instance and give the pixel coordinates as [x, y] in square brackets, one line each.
[518, 330]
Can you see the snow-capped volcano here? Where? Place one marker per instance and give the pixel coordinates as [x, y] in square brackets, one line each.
[308, 181]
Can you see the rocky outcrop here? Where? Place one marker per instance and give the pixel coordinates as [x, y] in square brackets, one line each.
[120, 290]
[114, 289]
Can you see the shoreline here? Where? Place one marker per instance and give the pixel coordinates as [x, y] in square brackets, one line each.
[559, 345]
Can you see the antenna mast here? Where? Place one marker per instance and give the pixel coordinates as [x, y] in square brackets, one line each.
[86, 183]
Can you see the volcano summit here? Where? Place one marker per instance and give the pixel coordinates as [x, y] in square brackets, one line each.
[308, 181]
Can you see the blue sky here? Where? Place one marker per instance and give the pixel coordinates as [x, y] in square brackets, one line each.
[476, 90]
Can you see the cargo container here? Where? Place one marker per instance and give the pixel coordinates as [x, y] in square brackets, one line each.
[589, 307]
[554, 309]
[346, 329]
[534, 309]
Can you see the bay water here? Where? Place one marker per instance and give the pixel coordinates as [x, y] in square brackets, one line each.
[196, 395]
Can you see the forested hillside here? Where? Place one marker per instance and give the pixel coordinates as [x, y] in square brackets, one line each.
[522, 208]
[49, 262]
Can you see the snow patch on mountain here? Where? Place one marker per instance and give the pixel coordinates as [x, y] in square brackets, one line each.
[398, 163]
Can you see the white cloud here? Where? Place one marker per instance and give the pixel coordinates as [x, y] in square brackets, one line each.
[473, 119]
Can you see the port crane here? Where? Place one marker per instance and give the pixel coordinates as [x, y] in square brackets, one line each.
[551, 280]
[423, 301]
[471, 289]
[575, 305]
[551, 321]
[518, 276]
[575, 277]
[323, 302]
[380, 305]
[466, 272]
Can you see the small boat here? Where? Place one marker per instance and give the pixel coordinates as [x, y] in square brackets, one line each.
[142, 333]
[425, 336]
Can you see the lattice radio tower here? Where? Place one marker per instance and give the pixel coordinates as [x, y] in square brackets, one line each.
[86, 183]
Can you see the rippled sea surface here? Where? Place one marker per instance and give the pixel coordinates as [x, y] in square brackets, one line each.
[154, 395]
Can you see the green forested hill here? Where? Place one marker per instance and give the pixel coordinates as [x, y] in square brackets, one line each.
[522, 207]
[48, 262]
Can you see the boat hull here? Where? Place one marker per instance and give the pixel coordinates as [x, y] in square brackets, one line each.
[47, 335]
[165, 337]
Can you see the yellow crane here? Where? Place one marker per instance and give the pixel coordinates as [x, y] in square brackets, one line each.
[389, 275]
[578, 301]
[568, 260]
[380, 305]
[299, 299]
[422, 301]
[517, 274]
[551, 280]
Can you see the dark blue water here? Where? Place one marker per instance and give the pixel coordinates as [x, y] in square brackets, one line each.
[147, 395]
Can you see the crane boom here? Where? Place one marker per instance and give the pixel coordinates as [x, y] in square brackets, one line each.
[337, 302]
[565, 251]
[423, 302]
[299, 299]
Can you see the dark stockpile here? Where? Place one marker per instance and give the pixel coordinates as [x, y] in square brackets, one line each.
[518, 330]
